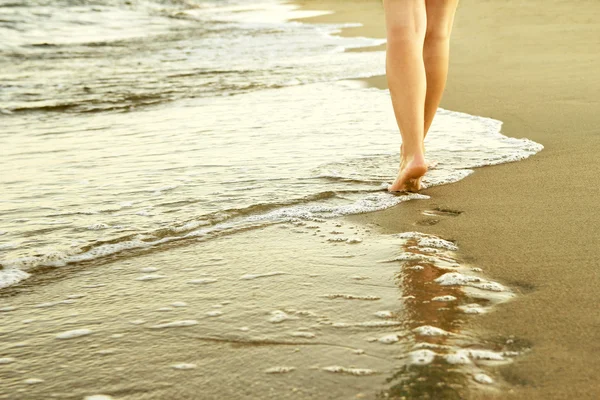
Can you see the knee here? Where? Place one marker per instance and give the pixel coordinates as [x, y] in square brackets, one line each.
[437, 34]
[405, 33]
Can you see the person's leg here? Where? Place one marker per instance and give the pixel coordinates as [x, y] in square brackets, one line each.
[406, 24]
[436, 48]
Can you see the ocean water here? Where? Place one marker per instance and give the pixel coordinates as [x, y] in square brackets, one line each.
[232, 138]
[197, 119]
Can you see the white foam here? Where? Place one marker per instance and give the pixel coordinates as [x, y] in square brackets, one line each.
[350, 371]
[75, 333]
[384, 314]
[183, 366]
[7, 360]
[388, 339]
[11, 276]
[428, 330]
[368, 324]
[421, 357]
[214, 313]
[256, 276]
[98, 397]
[456, 278]
[179, 304]
[308, 335]
[149, 269]
[472, 309]
[459, 358]
[444, 298]
[279, 316]
[279, 370]
[151, 277]
[483, 378]
[33, 381]
[351, 297]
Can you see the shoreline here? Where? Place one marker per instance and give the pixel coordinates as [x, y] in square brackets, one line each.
[529, 222]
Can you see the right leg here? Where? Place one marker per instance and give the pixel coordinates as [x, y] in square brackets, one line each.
[406, 24]
[440, 17]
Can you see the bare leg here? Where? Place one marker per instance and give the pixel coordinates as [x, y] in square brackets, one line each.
[406, 24]
[440, 17]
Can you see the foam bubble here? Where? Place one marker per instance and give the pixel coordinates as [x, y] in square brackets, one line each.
[472, 309]
[421, 357]
[179, 304]
[98, 397]
[176, 324]
[350, 371]
[98, 226]
[483, 378]
[149, 269]
[428, 330]
[388, 339]
[384, 314]
[75, 333]
[7, 360]
[214, 313]
[8, 308]
[456, 278]
[437, 243]
[279, 370]
[183, 366]
[487, 355]
[368, 324]
[444, 298]
[459, 357]
[279, 316]
[11, 276]
[33, 381]
[351, 297]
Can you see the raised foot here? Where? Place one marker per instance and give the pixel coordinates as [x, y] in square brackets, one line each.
[409, 178]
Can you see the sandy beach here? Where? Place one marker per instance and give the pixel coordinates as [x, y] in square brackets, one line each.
[533, 224]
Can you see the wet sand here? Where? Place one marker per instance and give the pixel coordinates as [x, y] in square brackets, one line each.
[534, 224]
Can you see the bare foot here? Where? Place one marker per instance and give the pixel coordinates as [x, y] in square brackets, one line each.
[431, 164]
[409, 176]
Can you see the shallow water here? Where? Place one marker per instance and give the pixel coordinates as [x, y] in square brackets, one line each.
[181, 184]
[327, 309]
